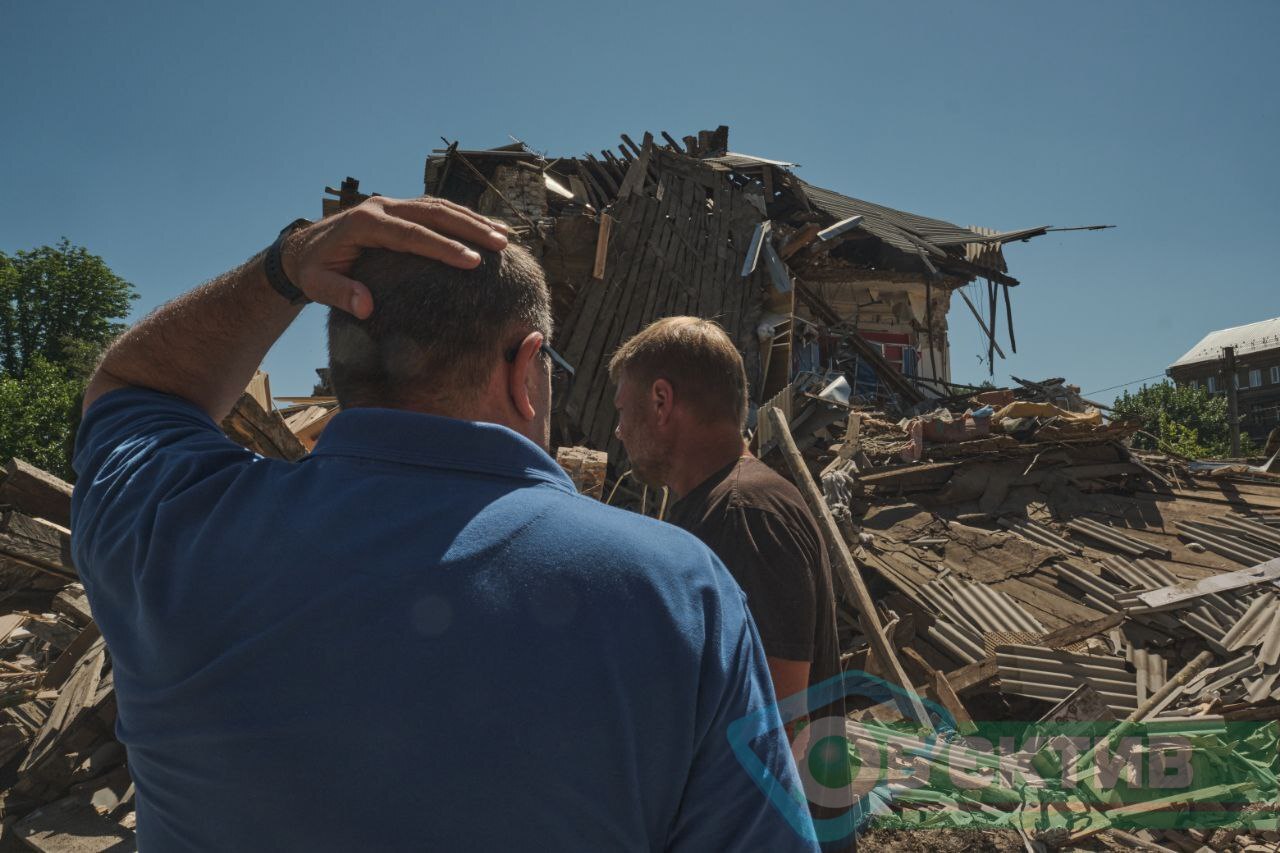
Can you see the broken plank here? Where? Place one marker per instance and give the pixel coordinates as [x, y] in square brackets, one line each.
[36, 492]
[894, 476]
[32, 543]
[1171, 596]
[947, 697]
[602, 245]
[73, 603]
[58, 671]
[799, 240]
[76, 695]
[263, 432]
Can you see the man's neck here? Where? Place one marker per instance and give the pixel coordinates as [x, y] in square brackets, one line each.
[697, 460]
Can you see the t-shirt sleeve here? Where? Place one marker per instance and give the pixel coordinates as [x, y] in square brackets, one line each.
[774, 568]
[743, 792]
[137, 450]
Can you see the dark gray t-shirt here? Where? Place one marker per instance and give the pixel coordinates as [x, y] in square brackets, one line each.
[758, 525]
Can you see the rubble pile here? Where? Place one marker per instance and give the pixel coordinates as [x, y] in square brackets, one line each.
[62, 773]
[1034, 567]
[1026, 563]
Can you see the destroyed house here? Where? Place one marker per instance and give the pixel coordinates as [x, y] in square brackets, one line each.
[810, 283]
[1256, 373]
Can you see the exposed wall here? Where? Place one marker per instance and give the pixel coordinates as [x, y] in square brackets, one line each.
[524, 188]
[896, 308]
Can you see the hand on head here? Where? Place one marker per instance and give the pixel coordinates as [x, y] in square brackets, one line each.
[317, 258]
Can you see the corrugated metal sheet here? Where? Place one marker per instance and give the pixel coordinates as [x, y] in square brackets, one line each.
[989, 609]
[1098, 592]
[1241, 538]
[1113, 538]
[1052, 675]
[1210, 616]
[1269, 653]
[1140, 574]
[1226, 680]
[1252, 627]
[1227, 542]
[1034, 531]
[1264, 685]
[956, 640]
[1151, 670]
[990, 254]
[978, 606]
[1256, 530]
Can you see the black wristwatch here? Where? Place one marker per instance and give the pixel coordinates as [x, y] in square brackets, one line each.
[274, 266]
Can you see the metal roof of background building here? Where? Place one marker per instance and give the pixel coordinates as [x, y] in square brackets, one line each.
[1253, 337]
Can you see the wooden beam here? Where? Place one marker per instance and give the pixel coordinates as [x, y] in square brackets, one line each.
[635, 149]
[799, 240]
[982, 323]
[1171, 596]
[602, 245]
[263, 432]
[35, 544]
[36, 492]
[947, 697]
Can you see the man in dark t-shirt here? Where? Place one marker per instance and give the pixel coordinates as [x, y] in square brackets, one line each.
[682, 404]
[681, 399]
[757, 524]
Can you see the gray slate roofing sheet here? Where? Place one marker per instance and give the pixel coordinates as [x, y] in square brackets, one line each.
[893, 226]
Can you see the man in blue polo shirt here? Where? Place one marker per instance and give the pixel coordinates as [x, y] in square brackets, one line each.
[419, 637]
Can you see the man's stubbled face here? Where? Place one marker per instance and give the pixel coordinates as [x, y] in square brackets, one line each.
[638, 433]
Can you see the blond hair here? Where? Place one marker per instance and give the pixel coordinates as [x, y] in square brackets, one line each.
[699, 360]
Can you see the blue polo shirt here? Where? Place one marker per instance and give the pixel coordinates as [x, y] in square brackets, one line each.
[417, 638]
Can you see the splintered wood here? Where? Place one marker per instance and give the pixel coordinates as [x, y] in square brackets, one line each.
[70, 791]
[262, 431]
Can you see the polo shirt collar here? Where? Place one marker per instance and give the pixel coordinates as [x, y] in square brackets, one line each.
[413, 438]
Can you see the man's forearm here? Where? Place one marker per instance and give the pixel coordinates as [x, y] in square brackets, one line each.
[203, 346]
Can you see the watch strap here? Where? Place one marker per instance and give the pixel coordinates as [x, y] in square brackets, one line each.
[273, 265]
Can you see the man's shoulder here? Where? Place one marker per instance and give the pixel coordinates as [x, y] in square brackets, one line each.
[622, 532]
[756, 486]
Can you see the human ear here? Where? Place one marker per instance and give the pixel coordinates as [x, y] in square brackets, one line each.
[662, 397]
[520, 376]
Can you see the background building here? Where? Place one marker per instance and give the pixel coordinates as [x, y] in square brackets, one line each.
[1257, 373]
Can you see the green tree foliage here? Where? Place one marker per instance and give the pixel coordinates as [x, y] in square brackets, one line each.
[59, 307]
[1186, 421]
[38, 413]
[56, 302]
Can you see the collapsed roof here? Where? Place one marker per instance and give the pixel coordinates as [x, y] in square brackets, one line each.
[906, 241]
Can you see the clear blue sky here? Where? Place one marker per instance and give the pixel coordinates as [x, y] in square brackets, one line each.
[175, 139]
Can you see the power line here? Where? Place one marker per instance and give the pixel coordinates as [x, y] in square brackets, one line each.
[1123, 385]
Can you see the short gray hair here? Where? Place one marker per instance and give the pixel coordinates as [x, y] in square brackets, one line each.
[436, 331]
